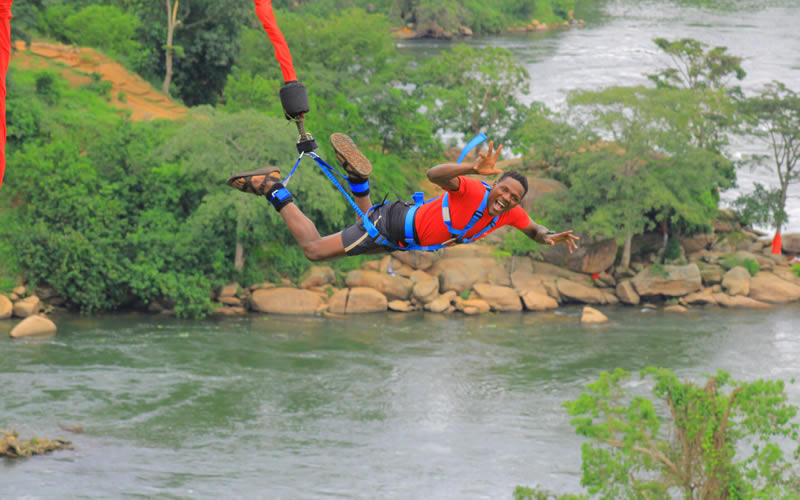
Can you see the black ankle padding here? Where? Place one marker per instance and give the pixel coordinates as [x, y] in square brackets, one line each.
[279, 196]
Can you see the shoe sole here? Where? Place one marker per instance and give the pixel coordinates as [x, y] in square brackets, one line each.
[353, 160]
[273, 172]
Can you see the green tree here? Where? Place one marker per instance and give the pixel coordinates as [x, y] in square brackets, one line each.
[697, 68]
[469, 91]
[762, 206]
[651, 167]
[547, 139]
[707, 73]
[214, 145]
[104, 27]
[204, 42]
[773, 117]
[698, 442]
[357, 83]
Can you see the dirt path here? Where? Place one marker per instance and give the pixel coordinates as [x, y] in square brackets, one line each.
[76, 66]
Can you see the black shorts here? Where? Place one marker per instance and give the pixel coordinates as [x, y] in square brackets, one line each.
[389, 219]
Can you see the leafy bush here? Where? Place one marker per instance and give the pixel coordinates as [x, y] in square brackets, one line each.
[517, 243]
[658, 270]
[104, 27]
[673, 250]
[796, 269]
[732, 260]
[48, 86]
[751, 266]
[693, 441]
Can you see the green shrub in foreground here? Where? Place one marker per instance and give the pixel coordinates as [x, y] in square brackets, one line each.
[702, 440]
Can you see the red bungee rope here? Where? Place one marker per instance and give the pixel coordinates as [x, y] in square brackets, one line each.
[5, 55]
[282, 54]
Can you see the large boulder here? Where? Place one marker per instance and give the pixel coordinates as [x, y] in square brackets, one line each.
[225, 311]
[394, 267]
[697, 242]
[401, 306]
[790, 243]
[459, 274]
[522, 275]
[357, 300]
[533, 300]
[442, 303]
[737, 281]
[711, 274]
[393, 287]
[6, 307]
[673, 281]
[415, 259]
[767, 287]
[703, 297]
[500, 298]
[472, 306]
[424, 287]
[27, 306]
[626, 293]
[317, 276]
[589, 258]
[739, 302]
[544, 269]
[228, 290]
[284, 300]
[34, 325]
[580, 293]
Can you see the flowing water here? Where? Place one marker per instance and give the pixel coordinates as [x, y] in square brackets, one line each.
[616, 47]
[377, 406]
[386, 406]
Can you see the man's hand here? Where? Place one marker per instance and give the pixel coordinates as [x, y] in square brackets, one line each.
[566, 238]
[484, 165]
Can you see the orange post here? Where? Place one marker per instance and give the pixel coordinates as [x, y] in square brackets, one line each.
[777, 244]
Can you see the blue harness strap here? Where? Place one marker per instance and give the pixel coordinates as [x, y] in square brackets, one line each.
[410, 243]
[457, 235]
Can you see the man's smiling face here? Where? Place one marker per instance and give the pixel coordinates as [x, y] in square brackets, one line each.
[505, 195]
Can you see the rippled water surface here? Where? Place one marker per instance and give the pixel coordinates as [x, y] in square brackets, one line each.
[376, 406]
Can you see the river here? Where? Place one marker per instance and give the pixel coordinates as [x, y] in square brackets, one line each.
[386, 406]
[616, 47]
[390, 406]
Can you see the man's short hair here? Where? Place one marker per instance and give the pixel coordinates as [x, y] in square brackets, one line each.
[517, 177]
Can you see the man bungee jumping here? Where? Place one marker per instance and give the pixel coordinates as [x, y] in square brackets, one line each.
[468, 209]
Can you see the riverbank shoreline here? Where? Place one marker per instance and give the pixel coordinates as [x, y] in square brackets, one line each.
[732, 269]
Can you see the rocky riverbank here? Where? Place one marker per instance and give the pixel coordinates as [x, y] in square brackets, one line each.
[735, 271]
[437, 31]
[731, 267]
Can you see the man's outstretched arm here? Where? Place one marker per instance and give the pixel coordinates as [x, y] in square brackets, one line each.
[446, 175]
[541, 234]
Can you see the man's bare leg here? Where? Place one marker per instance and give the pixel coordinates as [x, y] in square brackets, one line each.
[315, 247]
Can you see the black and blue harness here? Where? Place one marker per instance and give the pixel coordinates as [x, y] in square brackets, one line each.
[281, 196]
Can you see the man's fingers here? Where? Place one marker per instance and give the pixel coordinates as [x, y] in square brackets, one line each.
[497, 153]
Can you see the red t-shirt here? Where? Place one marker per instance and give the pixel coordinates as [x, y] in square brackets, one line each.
[463, 203]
